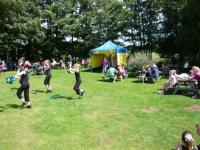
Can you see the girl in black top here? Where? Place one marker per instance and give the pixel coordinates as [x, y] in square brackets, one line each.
[47, 71]
[76, 70]
[22, 73]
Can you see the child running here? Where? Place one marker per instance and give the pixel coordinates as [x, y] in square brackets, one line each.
[47, 71]
[22, 73]
[76, 69]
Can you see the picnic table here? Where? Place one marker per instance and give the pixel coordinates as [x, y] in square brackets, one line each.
[189, 86]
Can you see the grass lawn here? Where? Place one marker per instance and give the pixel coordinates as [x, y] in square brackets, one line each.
[120, 116]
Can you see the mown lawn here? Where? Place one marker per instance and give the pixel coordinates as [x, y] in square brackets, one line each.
[115, 116]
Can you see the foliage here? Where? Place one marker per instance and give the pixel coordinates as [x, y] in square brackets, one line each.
[36, 28]
[139, 60]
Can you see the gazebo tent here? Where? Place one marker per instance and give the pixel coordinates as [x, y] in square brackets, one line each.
[118, 53]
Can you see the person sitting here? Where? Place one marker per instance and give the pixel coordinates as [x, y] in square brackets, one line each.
[198, 132]
[195, 75]
[3, 66]
[170, 83]
[155, 72]
[149, 76]
[112, 73]
[121, 72]
[188, 142]
[142, 74]
[37, 69]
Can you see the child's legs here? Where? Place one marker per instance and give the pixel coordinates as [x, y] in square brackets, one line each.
[77, 87]
[165, 86]
[26, 93]
[19, 92]
[47, 80]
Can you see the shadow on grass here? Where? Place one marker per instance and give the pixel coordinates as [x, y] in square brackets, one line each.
[15, 106]
[86, 70]
[136, 81]
[14, 88]
[57, 96]
[38, 91]
[105, 80]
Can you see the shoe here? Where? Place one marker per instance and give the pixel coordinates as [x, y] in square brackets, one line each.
[82, 92]
[161, 92]
[23, 104]
[28, 105]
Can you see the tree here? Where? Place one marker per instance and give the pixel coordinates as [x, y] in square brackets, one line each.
[187, 39]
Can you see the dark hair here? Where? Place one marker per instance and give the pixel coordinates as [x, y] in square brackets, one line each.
[188, 143]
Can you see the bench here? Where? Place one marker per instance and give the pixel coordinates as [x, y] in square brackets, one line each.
[189, 86]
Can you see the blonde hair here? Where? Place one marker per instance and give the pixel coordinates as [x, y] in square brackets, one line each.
[172, 72]
[195, 69]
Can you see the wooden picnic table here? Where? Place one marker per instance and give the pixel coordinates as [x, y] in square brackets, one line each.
[187, 86]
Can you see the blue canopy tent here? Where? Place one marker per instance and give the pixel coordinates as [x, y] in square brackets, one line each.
[118, 53]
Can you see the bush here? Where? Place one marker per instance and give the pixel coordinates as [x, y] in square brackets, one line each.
[138, 60]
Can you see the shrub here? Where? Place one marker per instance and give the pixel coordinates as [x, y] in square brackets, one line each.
[138, 60]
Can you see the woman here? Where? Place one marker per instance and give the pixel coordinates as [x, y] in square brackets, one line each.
[104, 65]
[22, 73]
[47, 71]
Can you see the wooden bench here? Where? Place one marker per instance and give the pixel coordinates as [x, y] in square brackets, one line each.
[186, 86]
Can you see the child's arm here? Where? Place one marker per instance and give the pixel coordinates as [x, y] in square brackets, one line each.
[19, 73]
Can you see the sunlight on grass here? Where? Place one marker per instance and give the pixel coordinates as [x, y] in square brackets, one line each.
[124, 115]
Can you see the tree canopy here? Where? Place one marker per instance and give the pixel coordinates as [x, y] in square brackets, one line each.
[39, 27]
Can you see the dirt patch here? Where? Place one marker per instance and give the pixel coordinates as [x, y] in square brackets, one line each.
[149, 110]
[193, 108]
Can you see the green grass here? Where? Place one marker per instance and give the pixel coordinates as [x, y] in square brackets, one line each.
[120, 116]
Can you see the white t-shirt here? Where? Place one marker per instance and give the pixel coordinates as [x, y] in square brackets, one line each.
[186, 65]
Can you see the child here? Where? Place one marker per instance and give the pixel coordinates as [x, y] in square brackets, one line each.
[121, 72]
[142, 75]
[47, 71]
[76, 69]
[170, 83]
[198, 132]
[112, 73]
[187, 140]
[22, 73]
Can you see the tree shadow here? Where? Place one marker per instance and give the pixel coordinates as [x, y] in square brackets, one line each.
[7, 106]
[38, 91]
[136, 81]
[57, 96]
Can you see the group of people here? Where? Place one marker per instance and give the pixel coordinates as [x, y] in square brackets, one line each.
[174, 78]
[67, 63]
[149, 73]
[188, 142]
[109, 70]
[23, 76]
